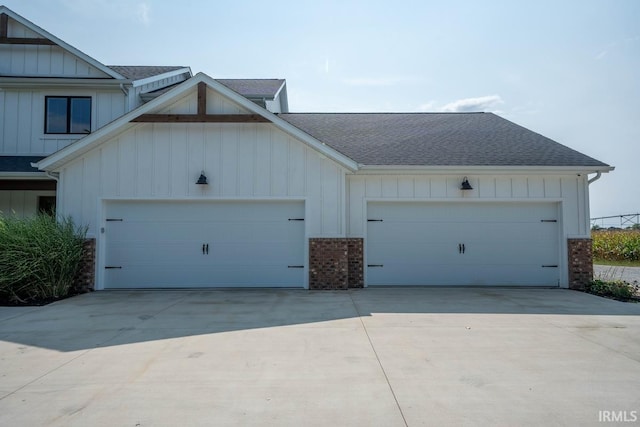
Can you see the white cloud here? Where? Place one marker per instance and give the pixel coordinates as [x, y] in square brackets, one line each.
[483, 103]
[427, 106]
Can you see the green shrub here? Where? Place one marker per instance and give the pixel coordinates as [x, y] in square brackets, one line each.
[39, 258]
[619, 245]
[618, 289]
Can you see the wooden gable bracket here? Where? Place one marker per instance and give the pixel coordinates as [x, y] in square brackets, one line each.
[4, 31]
[201, 116]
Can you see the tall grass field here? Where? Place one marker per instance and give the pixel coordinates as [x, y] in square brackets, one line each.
[617, 246]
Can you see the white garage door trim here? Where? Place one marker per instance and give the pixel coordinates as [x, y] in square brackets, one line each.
[374, 253]
[293, 245]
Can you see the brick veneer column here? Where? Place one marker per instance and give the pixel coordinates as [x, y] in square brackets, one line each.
[85, 279]
[328, 263]
[355, 258]
[580, 262]
[336, 263]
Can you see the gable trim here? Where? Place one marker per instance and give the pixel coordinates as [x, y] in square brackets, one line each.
[56, 41]
[197, 118]
[201, 116]
[4, 24]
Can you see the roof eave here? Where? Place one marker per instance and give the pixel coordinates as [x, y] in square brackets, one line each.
[480, 170]
[147, 80]
[20, 82]
[24, 175]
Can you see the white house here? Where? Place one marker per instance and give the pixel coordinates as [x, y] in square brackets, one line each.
[214, 183]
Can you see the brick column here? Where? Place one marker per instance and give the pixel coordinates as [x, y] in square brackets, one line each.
[328, 265]
[85, 279]
[580, 263]
[355, 259]
[336, 263]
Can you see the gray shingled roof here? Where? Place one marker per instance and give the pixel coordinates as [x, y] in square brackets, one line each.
[254, 88]
[435, 139]
[19, 163]
[138, 72]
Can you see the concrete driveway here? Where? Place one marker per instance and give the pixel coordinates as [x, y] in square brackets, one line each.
[374, 357]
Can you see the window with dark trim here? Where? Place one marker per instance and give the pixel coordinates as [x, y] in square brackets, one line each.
[47, 205]
[67, 114]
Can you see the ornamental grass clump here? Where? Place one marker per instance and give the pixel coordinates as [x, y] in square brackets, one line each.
[39, 258]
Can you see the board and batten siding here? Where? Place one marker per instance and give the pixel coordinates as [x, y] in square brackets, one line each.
[22, 118]
[41, 60]
[570, 190]
[241, 161]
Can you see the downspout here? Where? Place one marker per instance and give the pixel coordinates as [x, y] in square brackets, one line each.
[595, 178]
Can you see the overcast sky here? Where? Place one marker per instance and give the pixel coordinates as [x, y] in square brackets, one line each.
[567, 69]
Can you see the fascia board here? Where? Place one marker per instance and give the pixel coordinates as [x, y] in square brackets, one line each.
[39, 82]
[23, 175]
[166, 75]
[481, 170]
[68, 47]
[284, 83]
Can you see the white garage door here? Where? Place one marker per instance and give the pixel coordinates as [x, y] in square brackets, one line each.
[204, 244]
[462, 244]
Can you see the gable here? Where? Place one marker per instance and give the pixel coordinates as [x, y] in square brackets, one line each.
[26, 50]
[215, 104]
[199, 100]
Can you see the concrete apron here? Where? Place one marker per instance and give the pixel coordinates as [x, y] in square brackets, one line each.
[388, 357]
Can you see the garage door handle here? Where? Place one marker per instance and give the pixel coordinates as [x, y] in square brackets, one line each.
[459, 248]
[203, 248]
[207, 249]
[463, 248]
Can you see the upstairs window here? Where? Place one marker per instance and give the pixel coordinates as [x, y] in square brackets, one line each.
[67, 114]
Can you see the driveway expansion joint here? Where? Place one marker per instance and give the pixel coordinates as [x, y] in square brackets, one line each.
[364, 327]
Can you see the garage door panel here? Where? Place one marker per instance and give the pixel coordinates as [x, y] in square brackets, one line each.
[459, 212]
[504, 243]
[160, 244]
[451, 275]
[201, 276]
[412, 252]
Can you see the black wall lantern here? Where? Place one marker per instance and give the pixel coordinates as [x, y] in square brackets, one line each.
[465, 184]
[202, 180]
